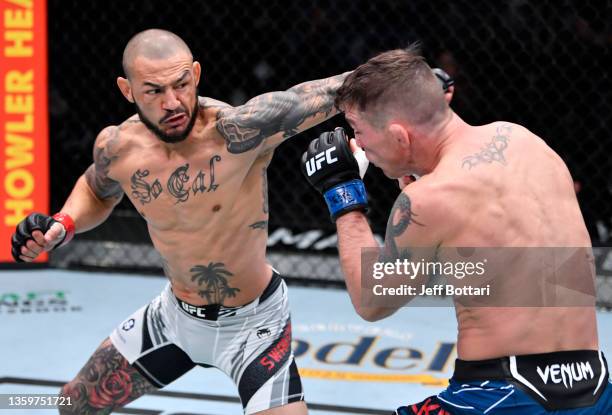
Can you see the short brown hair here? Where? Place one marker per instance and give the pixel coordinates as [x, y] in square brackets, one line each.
[397, 80]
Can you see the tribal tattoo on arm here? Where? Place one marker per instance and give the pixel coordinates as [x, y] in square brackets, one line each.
[97, 174]
[107, 381]
[400, 218]
[245, 127]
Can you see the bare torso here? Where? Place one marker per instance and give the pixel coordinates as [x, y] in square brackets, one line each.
[206, 209]
[509, 189]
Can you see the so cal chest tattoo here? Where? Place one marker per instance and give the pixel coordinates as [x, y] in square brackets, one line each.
[180, 185]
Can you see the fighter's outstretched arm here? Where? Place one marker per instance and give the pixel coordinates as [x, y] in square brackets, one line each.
[273, 117]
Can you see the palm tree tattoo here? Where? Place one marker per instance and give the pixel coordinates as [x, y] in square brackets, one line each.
[213, 279]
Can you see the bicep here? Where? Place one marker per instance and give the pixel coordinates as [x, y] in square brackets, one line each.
[102, 186]
[247, 126]
[97, 175]
[276, 116]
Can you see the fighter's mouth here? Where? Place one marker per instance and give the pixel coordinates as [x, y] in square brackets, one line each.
[175, 120]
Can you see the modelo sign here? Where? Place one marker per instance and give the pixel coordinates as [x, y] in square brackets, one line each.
[363, 360]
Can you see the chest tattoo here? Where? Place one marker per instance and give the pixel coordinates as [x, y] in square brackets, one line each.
[180, 185]
[142, 190]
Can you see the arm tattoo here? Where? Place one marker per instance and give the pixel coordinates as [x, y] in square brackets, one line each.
[493, 151]
[401, 216]
[246, 126]
[107, 381]
[213, 282]
[97, 174]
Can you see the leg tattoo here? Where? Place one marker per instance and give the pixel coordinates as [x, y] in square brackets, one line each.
[107, 381]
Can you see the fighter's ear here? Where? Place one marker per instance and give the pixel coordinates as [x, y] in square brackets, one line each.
[197, 70]
[126, 88]
[400, 134]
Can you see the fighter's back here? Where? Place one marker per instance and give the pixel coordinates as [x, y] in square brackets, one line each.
[503, 187]
[515, 189]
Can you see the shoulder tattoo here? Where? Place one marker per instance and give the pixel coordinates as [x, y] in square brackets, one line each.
[104, 155]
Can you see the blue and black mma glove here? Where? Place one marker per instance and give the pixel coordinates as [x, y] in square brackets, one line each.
[331, 168]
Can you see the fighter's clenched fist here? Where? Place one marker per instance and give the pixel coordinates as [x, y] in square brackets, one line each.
[39, 233]
[330, 167]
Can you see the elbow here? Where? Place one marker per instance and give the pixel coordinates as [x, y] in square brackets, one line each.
[373, 314]
[370, 318]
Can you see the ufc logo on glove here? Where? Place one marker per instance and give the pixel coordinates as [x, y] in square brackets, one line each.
[314, 164]
[331, 168]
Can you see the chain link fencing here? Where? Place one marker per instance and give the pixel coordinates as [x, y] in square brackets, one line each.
[537, 63]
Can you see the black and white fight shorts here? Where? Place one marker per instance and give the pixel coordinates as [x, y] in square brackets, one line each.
[251, 344]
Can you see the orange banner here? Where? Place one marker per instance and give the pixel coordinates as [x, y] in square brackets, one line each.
[24, 137]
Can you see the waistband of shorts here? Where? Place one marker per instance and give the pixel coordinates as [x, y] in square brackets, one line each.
[501, 368]
[215, 311]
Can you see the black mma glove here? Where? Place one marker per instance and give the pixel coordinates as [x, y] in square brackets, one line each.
[445, 79]
[38, 221]
[331, 168]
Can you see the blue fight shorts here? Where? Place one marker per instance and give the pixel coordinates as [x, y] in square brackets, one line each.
[560, 383]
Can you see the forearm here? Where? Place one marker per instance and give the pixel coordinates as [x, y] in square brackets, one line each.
[354, 233]
[85, 208]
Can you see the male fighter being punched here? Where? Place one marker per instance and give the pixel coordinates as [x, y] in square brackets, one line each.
[495, 185]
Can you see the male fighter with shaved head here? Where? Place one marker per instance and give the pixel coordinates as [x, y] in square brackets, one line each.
[195, 169]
